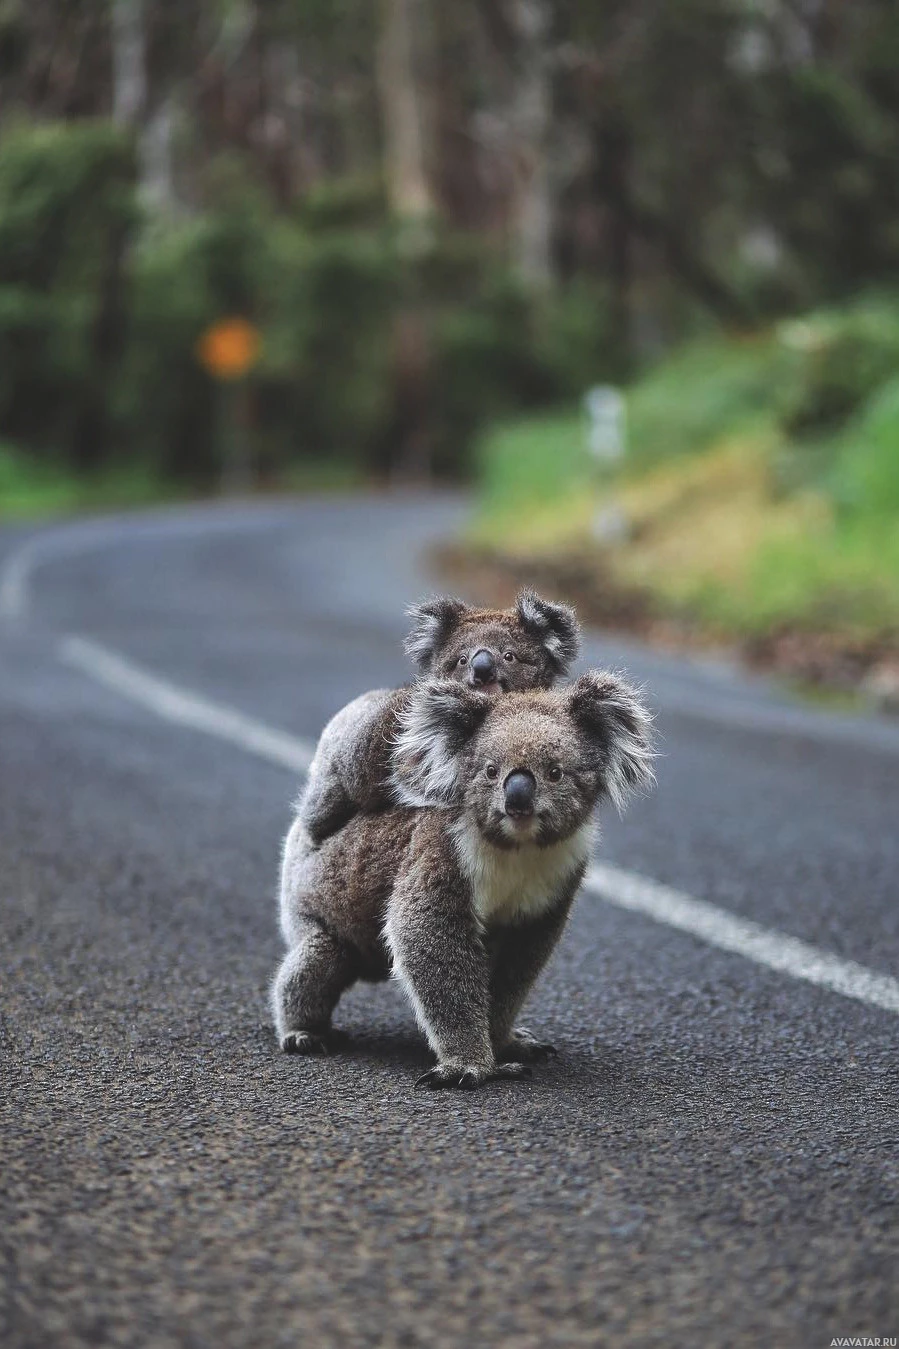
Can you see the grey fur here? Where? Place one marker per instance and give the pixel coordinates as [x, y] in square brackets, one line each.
[463, 903]
[554, 624]
[351, 766]
[432, 622]
[532, 644]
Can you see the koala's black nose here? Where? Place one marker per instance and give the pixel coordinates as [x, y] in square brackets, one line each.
[483, 668]
[520, 790]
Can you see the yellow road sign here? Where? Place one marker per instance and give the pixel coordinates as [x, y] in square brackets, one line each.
[229, 348]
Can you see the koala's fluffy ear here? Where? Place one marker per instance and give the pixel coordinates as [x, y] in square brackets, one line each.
[554, 625]
[617, 722]
[432, 622]
[439, 719]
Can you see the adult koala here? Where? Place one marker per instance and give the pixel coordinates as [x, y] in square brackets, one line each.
[494, 650]
[465, 901]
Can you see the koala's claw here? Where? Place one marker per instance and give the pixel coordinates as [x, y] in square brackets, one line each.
[451, 1075]
[525, 1048]
[303, 1042]
[468, 1078]
[512, 1070]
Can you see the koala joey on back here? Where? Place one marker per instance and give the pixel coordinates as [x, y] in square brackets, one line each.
[464, 901]
[493, 650]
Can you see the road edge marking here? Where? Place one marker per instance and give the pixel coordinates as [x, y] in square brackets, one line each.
[178, 705]
[14, 581]
[623, 889]
[743, 936]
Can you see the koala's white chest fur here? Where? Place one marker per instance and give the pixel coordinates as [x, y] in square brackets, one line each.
[512, 885]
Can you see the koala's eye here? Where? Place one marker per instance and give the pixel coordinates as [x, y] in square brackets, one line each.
[463, 660]
[491, 770]
[509, 656]
[555, 774]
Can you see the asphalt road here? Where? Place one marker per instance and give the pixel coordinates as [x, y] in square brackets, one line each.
[712, 1158]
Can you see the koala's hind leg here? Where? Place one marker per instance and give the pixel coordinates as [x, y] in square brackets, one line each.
[307, 986]
[325, 807]
[346, 773]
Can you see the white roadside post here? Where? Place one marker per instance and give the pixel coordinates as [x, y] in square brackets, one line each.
[606, 413]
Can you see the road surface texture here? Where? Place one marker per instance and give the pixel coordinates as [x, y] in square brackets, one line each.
[712, 1158]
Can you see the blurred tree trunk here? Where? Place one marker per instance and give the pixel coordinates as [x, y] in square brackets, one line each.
[613, 186]
[408, 190]
[155, 157]
[530, 116]
[288, 147]
[91, 429]
[91, 433]
[131, 104]
[457, 171]
[519, 34]
[411, 201]
[129, 74]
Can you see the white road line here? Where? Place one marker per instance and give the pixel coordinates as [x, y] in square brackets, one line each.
[13, 582]
[624, 889]
[744, 937]
[185, 708]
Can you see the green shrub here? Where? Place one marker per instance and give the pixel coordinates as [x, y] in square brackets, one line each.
[372, 357]
[66, 210]
[507, 352]
[166, 403]
[839, 359]
[704, 391]
[538, 459]
[354, 202]
[485, 364]
[575, 340]
[41, 486]
[866, 479]
[326, 370]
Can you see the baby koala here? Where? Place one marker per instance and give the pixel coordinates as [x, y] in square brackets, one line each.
[464, 901]
[494, 650]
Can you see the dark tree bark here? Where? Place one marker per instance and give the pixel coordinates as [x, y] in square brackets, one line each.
[91, 433]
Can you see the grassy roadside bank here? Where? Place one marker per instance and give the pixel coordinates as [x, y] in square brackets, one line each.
[758, 505]
[30, 489]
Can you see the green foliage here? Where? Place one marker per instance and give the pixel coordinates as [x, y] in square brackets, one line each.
[322, 304]
[702, 392]
[66, 208]
[486, 364]
[59, 187]
[356, 335]
[836, 132]
[866, 478]
[166, 403]
[30, 486]
[537, 459]
[363, 343]
[719, 531]
[355, 202]
[840, 358]
[504, 351]
[325, 380]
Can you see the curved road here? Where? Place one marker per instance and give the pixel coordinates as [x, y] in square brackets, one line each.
[711, 1160]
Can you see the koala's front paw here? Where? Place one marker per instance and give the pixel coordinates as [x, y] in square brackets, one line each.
[467, 1076]
[524, 1047]
[303, 1042]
